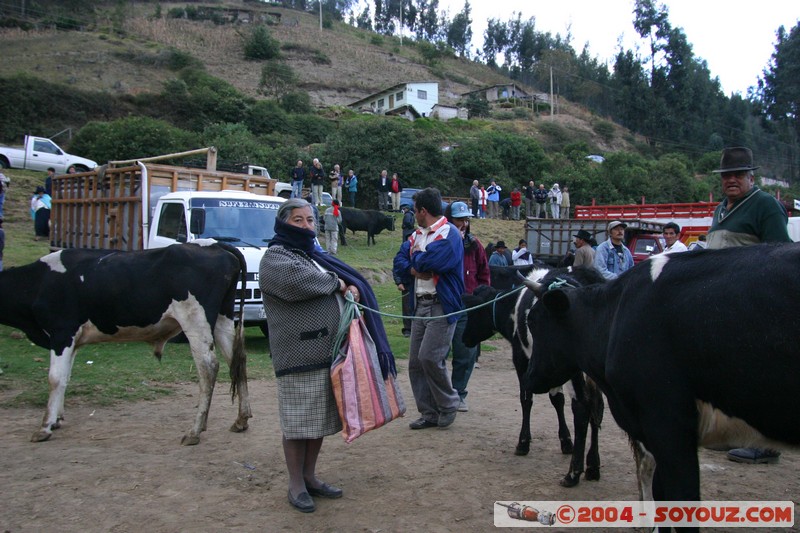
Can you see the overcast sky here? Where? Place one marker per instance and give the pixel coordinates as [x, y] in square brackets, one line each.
[735, 38]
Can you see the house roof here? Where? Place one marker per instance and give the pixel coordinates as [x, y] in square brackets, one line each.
[402, 109]
[482, 89]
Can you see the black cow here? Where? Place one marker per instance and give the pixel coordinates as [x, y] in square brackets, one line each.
[508, 316]
[692, 348]
[371, 221]
[75, 297]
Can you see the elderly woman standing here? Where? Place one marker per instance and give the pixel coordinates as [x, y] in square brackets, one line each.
[302, 287]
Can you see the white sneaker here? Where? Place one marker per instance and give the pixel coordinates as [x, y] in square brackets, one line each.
[462, 405]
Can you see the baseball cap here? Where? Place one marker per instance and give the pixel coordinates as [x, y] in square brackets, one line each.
[460, 210]
[614, 224]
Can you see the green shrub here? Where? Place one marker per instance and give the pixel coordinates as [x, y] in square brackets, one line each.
[129, 138]
[266, 116]
[503, 115]
[260, 45]
[376, 39]
[521, 112]
[296, 102]
[604, 129]
[276, 78]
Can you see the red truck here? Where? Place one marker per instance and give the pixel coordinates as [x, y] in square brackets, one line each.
[694, 218]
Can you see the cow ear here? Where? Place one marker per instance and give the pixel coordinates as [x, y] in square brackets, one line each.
[556, 301]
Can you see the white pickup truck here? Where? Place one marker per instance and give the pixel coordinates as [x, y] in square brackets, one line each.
[39, 153]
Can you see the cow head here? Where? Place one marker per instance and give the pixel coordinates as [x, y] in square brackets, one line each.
[557, 328]
[388, 222]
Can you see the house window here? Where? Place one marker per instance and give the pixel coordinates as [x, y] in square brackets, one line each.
[399, 96]
[504, 92]
[380, 103]
[422, 95]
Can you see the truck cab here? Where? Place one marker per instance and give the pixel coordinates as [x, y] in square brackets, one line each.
[242, 219]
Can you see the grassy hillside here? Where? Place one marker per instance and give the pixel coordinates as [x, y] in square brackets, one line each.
[335, 66]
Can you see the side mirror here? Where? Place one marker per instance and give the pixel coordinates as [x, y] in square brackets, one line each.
[197, 222]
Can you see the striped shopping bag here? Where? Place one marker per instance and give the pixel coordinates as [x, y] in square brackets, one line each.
[365, 400]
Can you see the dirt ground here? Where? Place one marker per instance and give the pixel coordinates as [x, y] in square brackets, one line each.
[121, 469]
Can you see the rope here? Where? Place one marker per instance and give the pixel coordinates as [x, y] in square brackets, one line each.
[500, 296]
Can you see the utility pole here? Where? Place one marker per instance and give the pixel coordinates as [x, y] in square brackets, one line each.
[552, 101]
[320, 15]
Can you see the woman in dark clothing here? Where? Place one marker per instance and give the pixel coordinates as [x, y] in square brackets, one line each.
[302, 287]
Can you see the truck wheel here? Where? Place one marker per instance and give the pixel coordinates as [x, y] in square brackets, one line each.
[3, 163]
[81, 168]
[285, 194]
[264, 330]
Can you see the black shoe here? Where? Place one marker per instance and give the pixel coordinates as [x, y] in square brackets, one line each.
[421, 423]
[325, 491]
[303, 502]
[445, 419]
[406, 333]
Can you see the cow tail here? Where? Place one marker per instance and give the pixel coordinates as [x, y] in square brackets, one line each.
[239, 359]
[595, 400]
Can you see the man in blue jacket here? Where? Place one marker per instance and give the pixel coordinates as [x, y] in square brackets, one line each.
[612, 257]
[433, 258]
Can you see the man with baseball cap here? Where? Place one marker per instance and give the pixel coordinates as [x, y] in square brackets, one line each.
[476, 272]
[747, 216]
[584, 253]
[612, 257]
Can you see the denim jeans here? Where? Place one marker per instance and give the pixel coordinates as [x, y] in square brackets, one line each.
[297, 189]
[463, 358]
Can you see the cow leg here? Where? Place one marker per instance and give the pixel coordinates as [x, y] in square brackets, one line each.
[230, 342]
[564, 436]
[594, 399]
[526, 403]
[197, 329]
[645, 468]
[58, 376]
[580, 415]
[524, 442]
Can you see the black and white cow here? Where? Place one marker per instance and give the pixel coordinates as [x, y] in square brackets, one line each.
[371, 221]
[508, 315]
[75, 297]
[692, 348]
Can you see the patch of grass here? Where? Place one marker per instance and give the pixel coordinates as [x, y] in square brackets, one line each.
[104, 374]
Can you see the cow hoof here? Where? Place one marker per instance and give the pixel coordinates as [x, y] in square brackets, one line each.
[566, 446]
[522, 449]
[239, 428]
[41, 436]
[592, 473]
[570, 480]
[190, 440]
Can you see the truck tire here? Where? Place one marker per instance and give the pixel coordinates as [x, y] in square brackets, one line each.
[3, 163]
[285, 194]
[81, 168]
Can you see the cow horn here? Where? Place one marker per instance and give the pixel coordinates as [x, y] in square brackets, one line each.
[532, 285]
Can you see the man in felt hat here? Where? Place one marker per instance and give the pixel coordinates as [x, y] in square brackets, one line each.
[584, 253]
[498, 257]
[612, 257]
[747, 216]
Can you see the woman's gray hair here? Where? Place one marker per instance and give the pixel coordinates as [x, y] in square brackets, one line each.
[286, 208]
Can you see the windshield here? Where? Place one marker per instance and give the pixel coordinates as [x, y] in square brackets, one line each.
[250, 221]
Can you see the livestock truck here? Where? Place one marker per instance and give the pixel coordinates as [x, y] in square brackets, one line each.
[551, 239]
[39, 153]
[142, 204]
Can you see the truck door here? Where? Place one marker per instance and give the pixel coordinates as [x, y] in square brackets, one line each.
[644, 246]
[170, 225]
[45, 154]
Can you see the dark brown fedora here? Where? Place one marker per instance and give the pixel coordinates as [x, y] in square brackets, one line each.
[735, 160]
